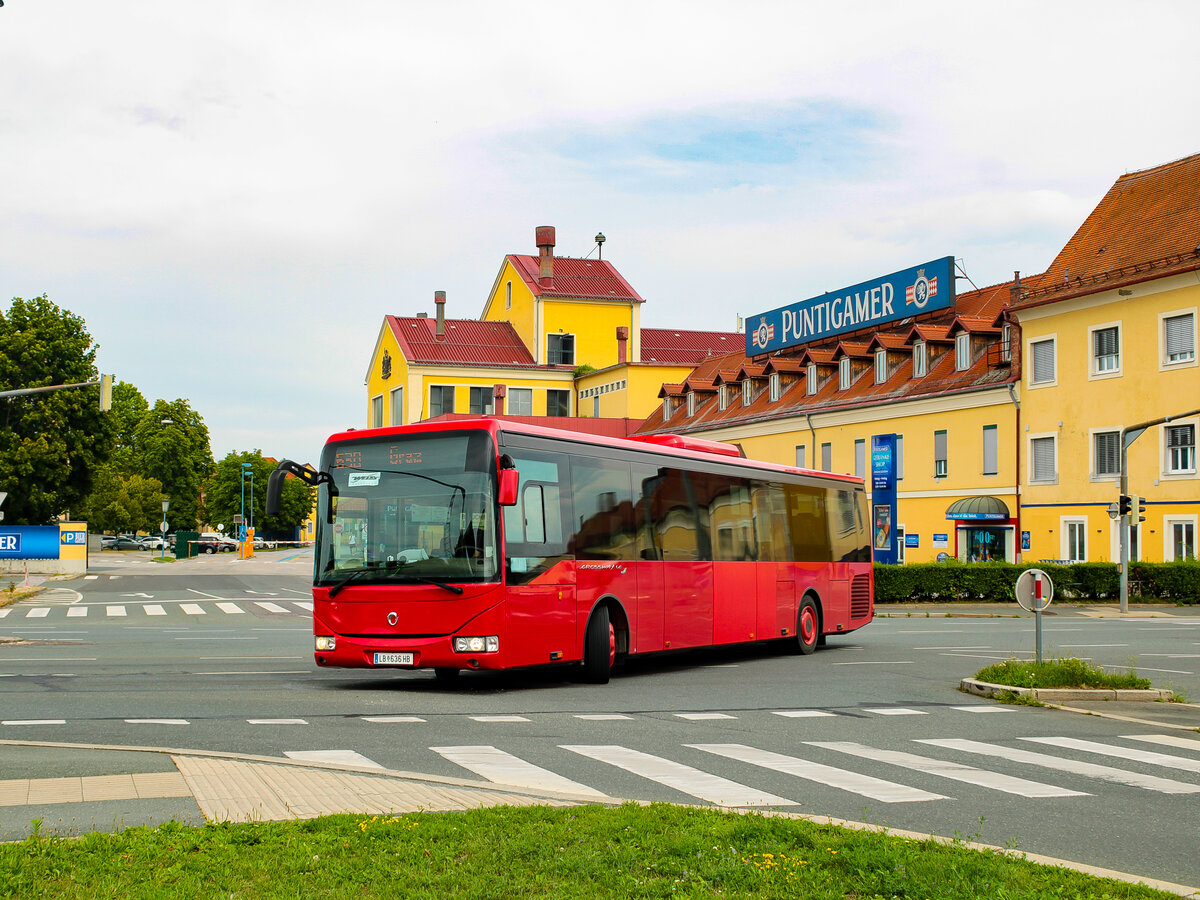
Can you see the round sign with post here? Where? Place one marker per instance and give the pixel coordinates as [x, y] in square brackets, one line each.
[1034, 591]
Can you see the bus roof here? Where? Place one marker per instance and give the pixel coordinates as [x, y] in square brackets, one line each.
[679, 446]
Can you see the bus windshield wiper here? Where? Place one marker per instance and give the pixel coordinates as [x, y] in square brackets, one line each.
[389, 570]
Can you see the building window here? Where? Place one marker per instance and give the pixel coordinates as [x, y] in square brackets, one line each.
[1042, 354]
[810, 376]
[691, 403]
[773, 386]
[1042, 459]
[941, 465]
[827, 457]
[1074, 539]
[1106, 350]
[398, 406]
[1106, 454]
[991, 450]
[880, 366]
[962, 352]
[899, 457]
[801, 456]
[722, 397]
[441, 400]
[508, 295]
[596, 407]
[860, 458]
[1179, 535]
[920, 360]
[747, 392]
[667, 408]
[558, 403]
[520, 401]
[482, 401]
[560, 349]
[1006, 342]
[843, 373]
[1179, 339]
[377, 411]
[1181, 449]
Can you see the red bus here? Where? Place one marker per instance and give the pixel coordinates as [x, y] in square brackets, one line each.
[489, 544]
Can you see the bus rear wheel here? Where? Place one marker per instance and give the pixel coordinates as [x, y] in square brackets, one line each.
[599, 648]
[808, 626]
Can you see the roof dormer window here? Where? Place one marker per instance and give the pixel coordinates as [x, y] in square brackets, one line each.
[881, 369]
[962, 351]
[691, 403]
[843, 373]
[773, 386]
[920, 359]
[722, 397]
[747, 392]
[811, 378]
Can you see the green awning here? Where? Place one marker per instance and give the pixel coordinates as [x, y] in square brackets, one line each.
[979, 509]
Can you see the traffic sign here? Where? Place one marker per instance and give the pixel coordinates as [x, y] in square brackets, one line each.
[162, 526]
[1034, 590]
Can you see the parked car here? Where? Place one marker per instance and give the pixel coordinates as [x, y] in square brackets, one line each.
[264, 544]
[152, 542]
[107, 541]
[123, 543]
[215, 543]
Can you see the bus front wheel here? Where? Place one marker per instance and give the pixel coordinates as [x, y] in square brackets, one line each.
[808, 626]
[599, 648]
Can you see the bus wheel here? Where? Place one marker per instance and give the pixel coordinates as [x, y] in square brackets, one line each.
[599, 648]
[808, 626]
[446, 674]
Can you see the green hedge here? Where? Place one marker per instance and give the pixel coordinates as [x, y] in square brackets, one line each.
[1177, 582]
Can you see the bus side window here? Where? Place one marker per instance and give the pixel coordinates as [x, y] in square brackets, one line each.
[533, 511]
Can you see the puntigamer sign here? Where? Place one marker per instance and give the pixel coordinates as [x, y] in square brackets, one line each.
[911, 292]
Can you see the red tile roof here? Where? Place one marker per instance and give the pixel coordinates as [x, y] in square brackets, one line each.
[687, 348]
[1146, 226]
[467, 342]
[583, 279]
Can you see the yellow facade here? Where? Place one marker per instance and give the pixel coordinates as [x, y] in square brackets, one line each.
[1075, 409]
[512, 301]
[923, 496]
[625, 391]
[384, 405]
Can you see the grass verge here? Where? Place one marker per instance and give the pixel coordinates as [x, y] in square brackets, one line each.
[1064, 672]
[506, 852]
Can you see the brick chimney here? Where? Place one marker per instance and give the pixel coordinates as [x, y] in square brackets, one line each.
[439, 301]
[1014, 289]
[622, 339]
[544, 234]
[499, 391]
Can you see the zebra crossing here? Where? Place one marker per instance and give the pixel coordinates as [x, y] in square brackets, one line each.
[46, 613]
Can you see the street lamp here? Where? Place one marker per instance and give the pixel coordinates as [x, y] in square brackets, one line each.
[165, 504]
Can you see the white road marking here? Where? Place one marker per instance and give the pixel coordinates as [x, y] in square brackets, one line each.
[388, 720]
[34, 722]
[269, 606]
[854, 782]
[896, 711]
[90, 577]
[140, 594]
[499, 719]
[231, 608]
[303, 605]
[803, 713]
[1169, 740]
[982, 709]
[685, 779]
[276, 721]
[504, 768]
[339, 757]
[116, 611]
[702, 716]
[4, 612]
[264, 593]
[1090, 770]
[954, 771]
[38, 612]
[193, 609]
[1145, 756]
[881, 662]
[154, 609]
[954, 648]
[76, 612]
[157, 722]
[603, 717]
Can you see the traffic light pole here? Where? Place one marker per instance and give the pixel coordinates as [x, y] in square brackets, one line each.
[104, 381]
[1130, 434]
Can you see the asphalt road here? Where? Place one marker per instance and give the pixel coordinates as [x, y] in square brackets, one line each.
[215, 654]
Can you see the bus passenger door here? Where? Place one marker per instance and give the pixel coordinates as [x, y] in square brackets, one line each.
[650, 617]
[687, 560]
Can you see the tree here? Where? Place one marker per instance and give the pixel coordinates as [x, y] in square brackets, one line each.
[50, 444]
[129, 407]
[225, 494]
[171, 442]
[120, 503]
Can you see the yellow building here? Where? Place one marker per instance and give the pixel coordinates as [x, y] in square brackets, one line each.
[1109, 342]
[558, 336]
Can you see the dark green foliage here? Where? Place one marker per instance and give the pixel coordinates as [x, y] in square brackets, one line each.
[993, 582]
[225, 495]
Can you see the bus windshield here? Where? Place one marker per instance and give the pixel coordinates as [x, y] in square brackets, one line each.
[415, 509]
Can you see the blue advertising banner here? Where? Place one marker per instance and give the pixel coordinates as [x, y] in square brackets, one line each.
[883, 498]
[920, 289]
[29, 542]
[912, 540]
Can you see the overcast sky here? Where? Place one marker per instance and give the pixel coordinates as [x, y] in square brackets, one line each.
[233, 195]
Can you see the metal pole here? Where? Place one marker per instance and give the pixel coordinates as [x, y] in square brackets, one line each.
[243, 523]
[1037, 613]
[252, 499]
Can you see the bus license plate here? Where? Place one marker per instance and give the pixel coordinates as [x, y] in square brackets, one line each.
[393, 659]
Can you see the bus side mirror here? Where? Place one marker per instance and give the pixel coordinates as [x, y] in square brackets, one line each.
[510, 481]
[274, 488]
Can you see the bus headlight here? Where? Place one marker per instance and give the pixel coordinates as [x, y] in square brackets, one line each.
[326, 642]
[488, 644]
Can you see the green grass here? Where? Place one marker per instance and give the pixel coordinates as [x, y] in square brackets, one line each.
[1057, 673]
[585, 852]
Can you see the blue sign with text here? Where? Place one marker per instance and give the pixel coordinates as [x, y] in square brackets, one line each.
[913, 291]
[29, 542]
[883, 499]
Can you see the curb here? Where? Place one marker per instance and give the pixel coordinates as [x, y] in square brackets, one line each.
[986, 689]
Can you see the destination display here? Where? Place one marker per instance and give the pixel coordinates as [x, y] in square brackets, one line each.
[920, 289]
